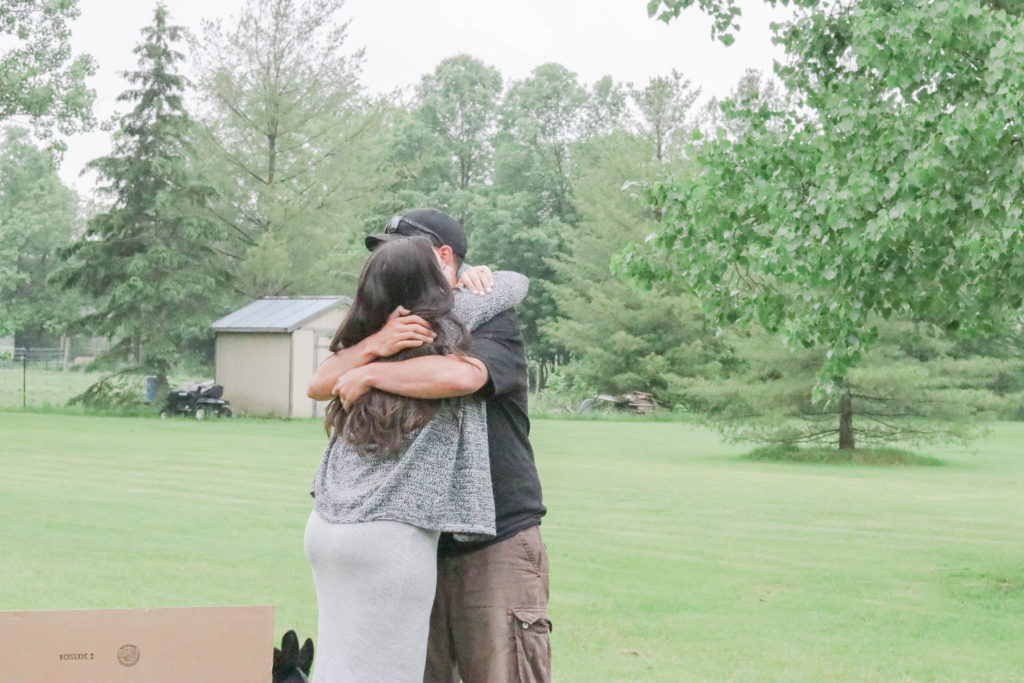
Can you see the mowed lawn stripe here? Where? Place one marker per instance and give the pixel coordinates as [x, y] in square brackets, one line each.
[672, 559]
[139, 512]
[785, 572]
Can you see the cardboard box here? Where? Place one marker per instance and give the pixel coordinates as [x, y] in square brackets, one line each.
[167, 645]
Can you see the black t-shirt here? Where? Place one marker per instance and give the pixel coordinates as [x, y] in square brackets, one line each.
[498, 343]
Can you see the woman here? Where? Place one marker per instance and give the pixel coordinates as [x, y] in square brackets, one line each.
[396, 473]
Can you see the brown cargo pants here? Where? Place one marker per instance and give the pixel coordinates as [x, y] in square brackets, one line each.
[490, 619]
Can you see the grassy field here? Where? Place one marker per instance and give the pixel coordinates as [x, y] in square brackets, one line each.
[39, 387]
[51, 388]
[672, 559]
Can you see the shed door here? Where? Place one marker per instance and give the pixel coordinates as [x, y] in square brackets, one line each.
[323, 349]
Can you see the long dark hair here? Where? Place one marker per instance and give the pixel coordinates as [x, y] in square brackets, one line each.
[406, 273]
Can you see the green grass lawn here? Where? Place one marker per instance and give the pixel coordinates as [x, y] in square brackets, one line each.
[672, 559]
[38, 387]
[49, 387]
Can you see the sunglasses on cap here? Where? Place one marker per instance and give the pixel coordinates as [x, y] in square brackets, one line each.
[392, 227]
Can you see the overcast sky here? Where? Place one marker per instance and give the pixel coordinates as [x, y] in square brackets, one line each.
[404, 39]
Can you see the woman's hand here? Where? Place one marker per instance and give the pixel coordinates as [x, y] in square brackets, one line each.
[477, 279]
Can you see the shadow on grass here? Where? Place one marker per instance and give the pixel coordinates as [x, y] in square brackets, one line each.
[873, 457]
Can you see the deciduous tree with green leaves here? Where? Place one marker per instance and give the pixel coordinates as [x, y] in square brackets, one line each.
[541, 118]
[607, 108]
[891, 188]
[40, 80]
[38, 217]
[290, 143]
[664, 105]
[458, 106]
[501, 163]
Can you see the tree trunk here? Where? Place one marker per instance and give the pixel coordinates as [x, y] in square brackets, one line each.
[140, 351]
[271, 157]
[846, 421]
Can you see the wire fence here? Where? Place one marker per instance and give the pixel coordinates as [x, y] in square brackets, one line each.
[39, 377]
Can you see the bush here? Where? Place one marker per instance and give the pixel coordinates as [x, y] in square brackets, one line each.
[562, 394]
[120, 392]
[1011, 408]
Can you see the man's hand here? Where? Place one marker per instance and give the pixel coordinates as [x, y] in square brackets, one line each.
[351, 385]
[401, 331]
[477, 279]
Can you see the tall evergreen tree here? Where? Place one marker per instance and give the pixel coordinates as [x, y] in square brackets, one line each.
[147, 258]
[621, 337]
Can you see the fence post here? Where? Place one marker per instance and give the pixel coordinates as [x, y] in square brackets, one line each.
[24, 374]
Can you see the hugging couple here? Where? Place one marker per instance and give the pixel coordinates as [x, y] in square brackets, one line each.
[424, 538]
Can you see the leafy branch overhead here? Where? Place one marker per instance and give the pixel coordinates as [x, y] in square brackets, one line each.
[41, 82]
[890, 186]
[725, 14]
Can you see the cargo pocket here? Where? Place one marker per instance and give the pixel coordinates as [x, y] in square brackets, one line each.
[532, 632]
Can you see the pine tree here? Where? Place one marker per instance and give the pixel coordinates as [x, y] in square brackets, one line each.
[147, 258]
[915, 385]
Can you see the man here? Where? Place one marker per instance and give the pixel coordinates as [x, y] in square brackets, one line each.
[490, 621]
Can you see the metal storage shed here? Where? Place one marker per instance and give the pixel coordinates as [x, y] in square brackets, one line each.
[266, 352]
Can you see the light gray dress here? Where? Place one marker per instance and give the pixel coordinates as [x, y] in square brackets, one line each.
[372, 538]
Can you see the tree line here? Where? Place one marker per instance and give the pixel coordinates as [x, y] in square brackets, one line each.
[832, 240]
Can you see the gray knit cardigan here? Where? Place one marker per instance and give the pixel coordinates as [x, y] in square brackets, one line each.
[442, 481]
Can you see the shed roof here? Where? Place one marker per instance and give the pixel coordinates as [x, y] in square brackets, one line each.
[278, 313]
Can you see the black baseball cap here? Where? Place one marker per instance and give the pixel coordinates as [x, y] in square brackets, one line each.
[441, 228]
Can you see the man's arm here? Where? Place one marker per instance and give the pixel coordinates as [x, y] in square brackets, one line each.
[402, 331]
[496, 366]
[423, 377]
[334, 366]
[405, 331]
